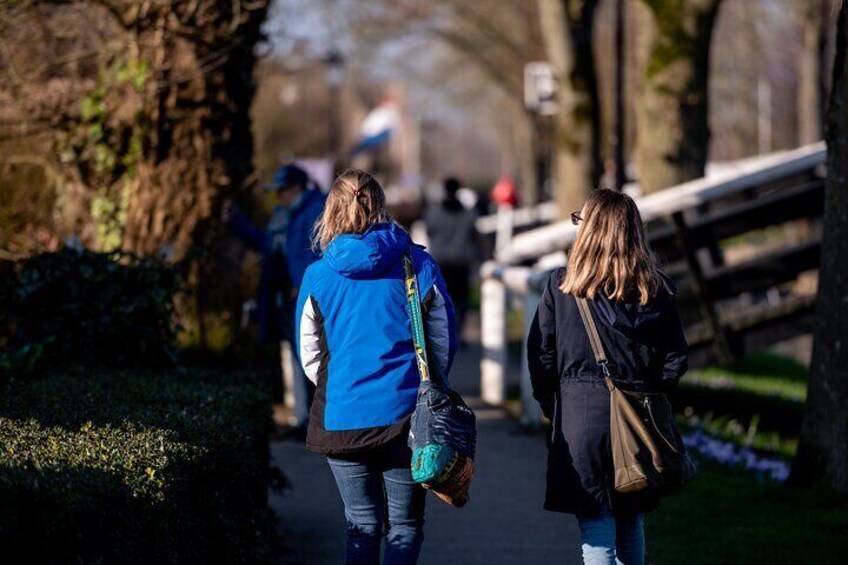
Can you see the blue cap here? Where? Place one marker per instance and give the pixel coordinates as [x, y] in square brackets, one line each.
[288, 175]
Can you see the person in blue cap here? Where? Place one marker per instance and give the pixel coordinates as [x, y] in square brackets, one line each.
[286, 249]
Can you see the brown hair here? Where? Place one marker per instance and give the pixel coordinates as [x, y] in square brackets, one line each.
[610, 252]
[355, 203]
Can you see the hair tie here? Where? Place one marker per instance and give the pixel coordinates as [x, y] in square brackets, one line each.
[357, 192]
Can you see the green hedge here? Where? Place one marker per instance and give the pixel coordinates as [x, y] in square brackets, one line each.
[87, 308]
[121, 467]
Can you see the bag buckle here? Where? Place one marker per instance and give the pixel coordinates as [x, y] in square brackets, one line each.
[604, 367]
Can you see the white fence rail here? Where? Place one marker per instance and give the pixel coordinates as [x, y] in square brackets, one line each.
[732, 179]
[502, 279]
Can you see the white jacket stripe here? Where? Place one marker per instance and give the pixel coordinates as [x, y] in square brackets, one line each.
[310, 344]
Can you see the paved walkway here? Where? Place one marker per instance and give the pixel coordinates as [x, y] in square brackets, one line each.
[502, 524]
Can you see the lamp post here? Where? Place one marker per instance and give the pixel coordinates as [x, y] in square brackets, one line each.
[335, 76]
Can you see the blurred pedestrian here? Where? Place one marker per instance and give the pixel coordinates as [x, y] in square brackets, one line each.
[611, 266]
[608, 178]
[454, 244]
[286, 249]
[355, 343]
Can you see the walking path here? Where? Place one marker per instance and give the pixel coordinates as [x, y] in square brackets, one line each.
[502, 524]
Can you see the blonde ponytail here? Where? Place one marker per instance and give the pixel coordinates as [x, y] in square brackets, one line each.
[355, 203]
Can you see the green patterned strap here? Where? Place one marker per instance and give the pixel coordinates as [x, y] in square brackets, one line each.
[413, 299]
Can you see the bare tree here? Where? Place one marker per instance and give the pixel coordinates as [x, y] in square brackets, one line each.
[823, 448]
[498, 37]
[673, 43]
[567, 26]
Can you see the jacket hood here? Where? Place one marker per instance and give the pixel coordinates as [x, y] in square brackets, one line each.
[368, 254]
[631, 318]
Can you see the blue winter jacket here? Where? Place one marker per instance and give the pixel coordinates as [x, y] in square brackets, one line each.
[281, 273]
[355, 337]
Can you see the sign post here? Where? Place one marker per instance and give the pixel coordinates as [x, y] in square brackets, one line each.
[540, 88]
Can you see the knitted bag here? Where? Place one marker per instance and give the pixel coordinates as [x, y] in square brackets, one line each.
[443, 430]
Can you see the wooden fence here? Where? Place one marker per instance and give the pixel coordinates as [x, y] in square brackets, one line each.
[743, 247]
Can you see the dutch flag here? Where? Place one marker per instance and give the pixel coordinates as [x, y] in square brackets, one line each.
[377, 128]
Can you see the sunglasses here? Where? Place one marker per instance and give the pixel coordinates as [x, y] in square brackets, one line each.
[576, 218]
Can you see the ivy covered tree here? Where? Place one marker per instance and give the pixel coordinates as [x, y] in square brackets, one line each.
[567, 26]
[134, 113]
[673, 42]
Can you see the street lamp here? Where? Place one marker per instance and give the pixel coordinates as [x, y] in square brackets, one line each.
[335, 76]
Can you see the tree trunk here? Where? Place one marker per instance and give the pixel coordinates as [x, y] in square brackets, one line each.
[202, 144]
[673, 42]
[567, 30]
[152, 125]
[809, 102]
[823, 447]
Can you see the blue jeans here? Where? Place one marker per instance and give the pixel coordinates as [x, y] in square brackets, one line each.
[381, 500]
[611, 540]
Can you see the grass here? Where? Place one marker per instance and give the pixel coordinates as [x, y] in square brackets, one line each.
[731, 429]
[728, 516]
[757, 401]
[763, 374]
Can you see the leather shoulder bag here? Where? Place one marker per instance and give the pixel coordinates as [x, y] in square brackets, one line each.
[647, 450]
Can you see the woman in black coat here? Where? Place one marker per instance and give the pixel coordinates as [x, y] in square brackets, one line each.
[633, 305]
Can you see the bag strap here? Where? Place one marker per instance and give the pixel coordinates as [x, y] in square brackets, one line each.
[594, 338]
[413, 300]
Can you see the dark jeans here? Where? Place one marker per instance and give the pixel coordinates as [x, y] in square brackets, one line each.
[381, 500]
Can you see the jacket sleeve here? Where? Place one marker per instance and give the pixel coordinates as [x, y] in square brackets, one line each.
[300, 250]
[252, 236]
[541, 352]
[676, 356]
[308, 333]
[439, 322]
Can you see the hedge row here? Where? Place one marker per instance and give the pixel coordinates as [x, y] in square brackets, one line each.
[125, 467]
[87, 308]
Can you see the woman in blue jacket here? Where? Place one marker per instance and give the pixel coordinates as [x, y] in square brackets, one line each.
[355, 344]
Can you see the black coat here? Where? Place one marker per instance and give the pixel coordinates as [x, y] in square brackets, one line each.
[646, 350]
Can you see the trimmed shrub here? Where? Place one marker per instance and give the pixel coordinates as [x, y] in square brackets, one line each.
[122, 467]
[88, 308]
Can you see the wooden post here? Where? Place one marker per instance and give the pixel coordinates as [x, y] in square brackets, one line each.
[493, 365]
[721, 344]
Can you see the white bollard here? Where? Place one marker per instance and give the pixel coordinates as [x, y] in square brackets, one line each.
[287, 361]
[531, 414]
[493, 365]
